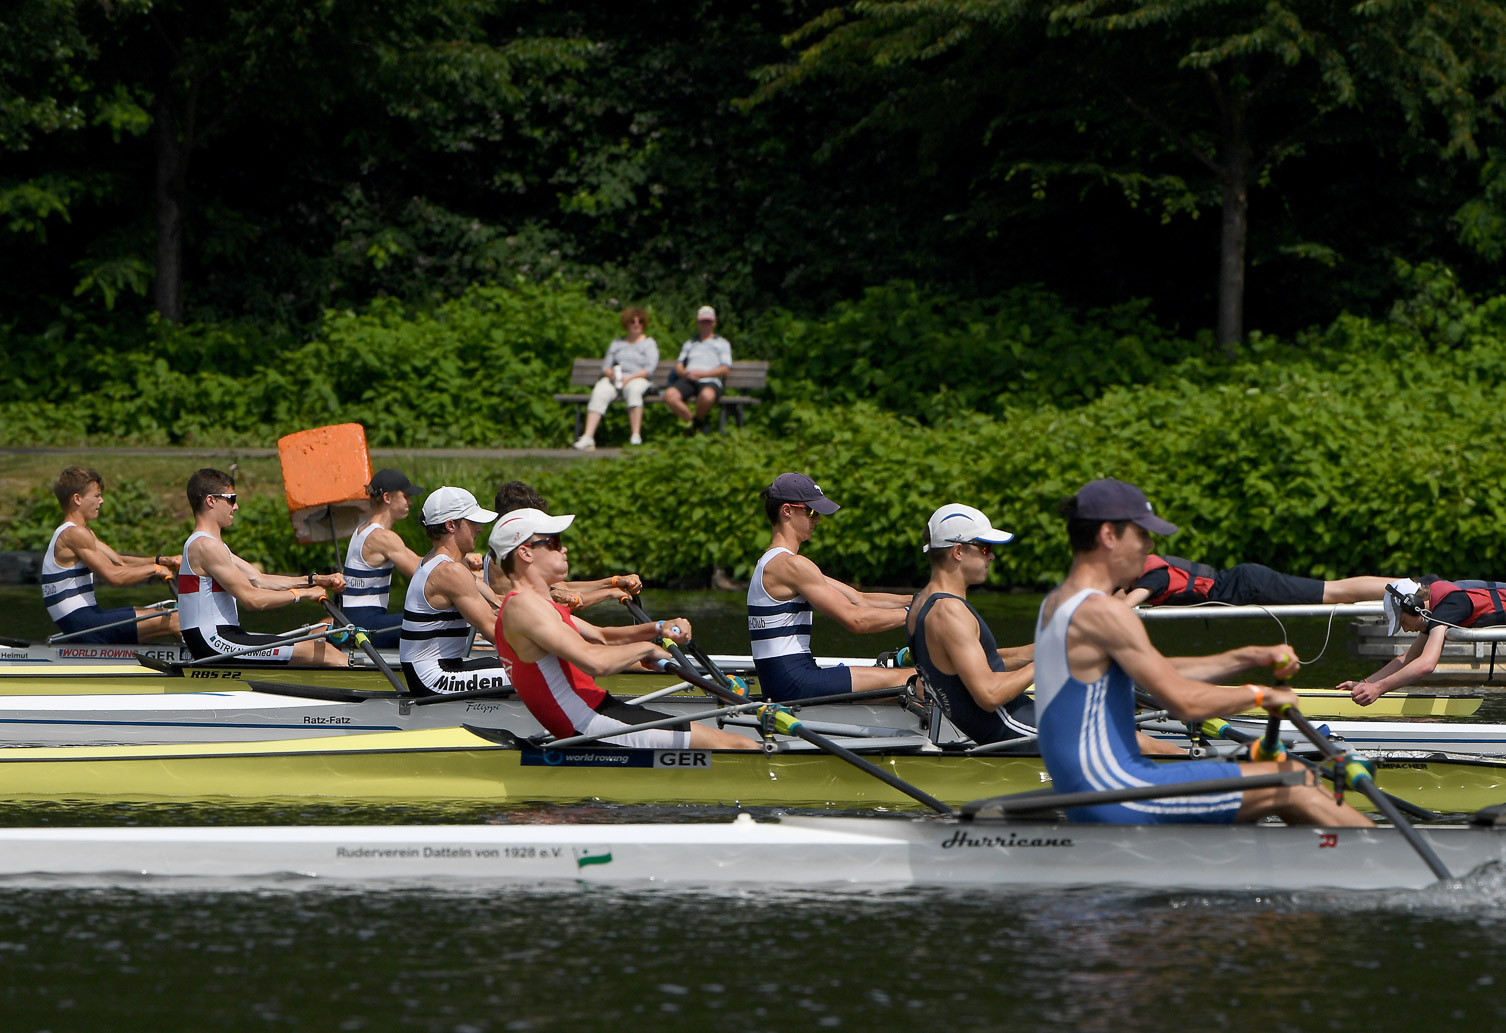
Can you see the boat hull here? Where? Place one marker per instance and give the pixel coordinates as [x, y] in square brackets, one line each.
[454, 765]
[797, 853]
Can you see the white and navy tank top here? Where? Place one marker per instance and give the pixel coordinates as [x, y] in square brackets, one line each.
[430, 635]
[1087, 733]
[203, 605]
[65, 589]
[776, 627]
[366, 587]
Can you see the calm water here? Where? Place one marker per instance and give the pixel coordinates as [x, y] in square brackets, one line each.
[299, 957]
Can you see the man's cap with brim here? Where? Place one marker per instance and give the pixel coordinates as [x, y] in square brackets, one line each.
[451, 503]
[797, 487]
[1108, 499]
[1399, 599]
[517, 527]
[956, 524]
[394, 480]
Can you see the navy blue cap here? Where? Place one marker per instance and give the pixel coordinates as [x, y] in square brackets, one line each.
[1109, 499]
[796, 487]
[393, 480]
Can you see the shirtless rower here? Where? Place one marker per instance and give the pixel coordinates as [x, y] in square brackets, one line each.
[75, 557]
[375, 550]
[787, 586]
[554, 656]
[444, 596]
[1091, 650]
[213, 582]
[578, 595]
[1428, 607]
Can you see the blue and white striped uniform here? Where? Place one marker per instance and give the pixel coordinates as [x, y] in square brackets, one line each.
[434, 643]
[68, 593]
[779, 631]
[1088, 739]
[367, 590]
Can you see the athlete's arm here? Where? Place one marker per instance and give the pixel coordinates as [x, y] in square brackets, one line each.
[1420, 660]
[1220, 666]
[383, 546]
[588, 593]
[1136, 596]
[952, 635]
[454, 586]
[1102, 630]
[796, 575]
[236, 577]
[533, 628]
[1016, 656]
[883, 600]
[108, 565]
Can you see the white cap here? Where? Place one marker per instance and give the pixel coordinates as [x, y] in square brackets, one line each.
[1398, 599]
[522, 524]
[956, 524]
[705, 312]
[449, 503]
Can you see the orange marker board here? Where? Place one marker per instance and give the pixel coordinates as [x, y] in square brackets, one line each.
[325, 471]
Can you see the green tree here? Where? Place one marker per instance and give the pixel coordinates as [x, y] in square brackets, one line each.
[1187, 103]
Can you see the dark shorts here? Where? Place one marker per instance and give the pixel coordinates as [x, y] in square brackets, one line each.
[787, 678]
[383, 628]
[1252, 584]
[690, 390]
[233, 639]
[457, 675]
[617, 710]
[92, 617]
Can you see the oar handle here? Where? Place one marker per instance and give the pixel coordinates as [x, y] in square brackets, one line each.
[674, 650]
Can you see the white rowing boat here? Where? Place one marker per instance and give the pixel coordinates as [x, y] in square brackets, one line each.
[793, 852]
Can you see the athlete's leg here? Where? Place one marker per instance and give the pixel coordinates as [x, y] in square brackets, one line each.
[319, 653]
[1355, 589]
[154, 629]
[879, 677]
[1303, 804]
[704, 737]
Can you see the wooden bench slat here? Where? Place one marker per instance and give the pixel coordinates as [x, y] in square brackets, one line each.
[747, 374]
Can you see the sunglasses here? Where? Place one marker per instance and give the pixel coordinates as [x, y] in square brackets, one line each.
[230, 498]
[549, 541]
[986, 548]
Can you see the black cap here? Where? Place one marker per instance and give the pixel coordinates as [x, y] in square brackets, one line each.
[1109, 499]
[393, 480]
[796, 487]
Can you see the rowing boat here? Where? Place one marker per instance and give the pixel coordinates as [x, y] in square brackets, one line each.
[792, 852]
[451, 764]
[40, 680]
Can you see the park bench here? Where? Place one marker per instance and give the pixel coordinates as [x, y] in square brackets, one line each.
[745, 376]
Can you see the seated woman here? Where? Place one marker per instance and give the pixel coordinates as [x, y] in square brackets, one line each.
[628, 370]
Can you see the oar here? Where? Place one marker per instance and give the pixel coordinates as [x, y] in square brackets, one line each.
[156, 610]
[1000, 745]
[362, 640]
[1043, 799]
[633, 608]
[1358, 775]
[787, 723]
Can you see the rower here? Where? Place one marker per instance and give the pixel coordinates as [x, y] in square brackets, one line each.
[1090, 653]
[979, 686]
[554, 656]
[1173, 581]
[213, 582]
[1428, 606]
[578, 595]
[374, 550]
[444, 596]
[787, 586]
[75, 557]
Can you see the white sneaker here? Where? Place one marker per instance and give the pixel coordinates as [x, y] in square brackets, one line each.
[636, 439]
[585, 444]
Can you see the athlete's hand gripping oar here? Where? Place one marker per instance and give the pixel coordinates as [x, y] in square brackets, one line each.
[788, 724]
[1270, 747]
[674, 651]
[156, 609]
[364, 642]
[692, 647]
[1353, 770]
